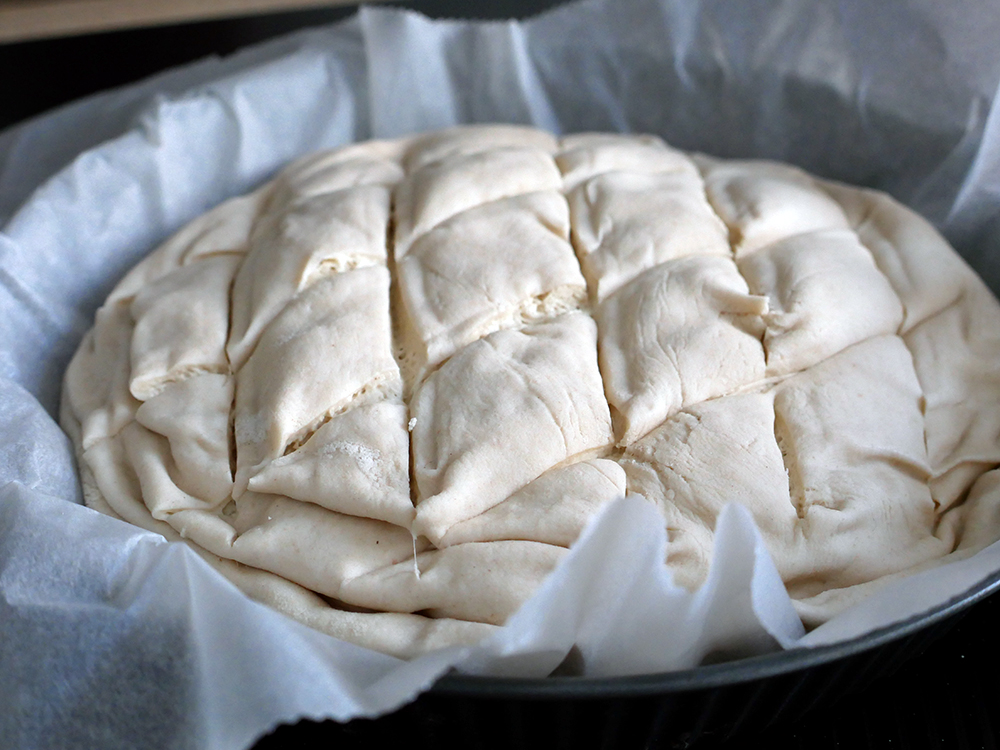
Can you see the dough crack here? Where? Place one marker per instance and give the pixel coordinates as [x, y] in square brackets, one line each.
[734, 236]
[796, 488]
[591, 293]
[151, 389]
[231, 435]
[231, 424]
[375, 390]
[404, 355]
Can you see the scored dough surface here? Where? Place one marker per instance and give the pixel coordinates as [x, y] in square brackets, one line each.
[387, 390]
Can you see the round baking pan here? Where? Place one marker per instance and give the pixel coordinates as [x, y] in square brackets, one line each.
[704, 707]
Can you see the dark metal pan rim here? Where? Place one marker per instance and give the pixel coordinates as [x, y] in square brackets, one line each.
[715, 675]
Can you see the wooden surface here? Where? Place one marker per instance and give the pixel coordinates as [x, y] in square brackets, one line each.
[22, 20]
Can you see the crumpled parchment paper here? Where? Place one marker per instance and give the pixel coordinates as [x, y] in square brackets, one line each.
[110, 636]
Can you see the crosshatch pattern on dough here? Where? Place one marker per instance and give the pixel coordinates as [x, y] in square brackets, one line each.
[385, 392]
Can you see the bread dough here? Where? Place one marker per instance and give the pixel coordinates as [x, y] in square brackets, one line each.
[357, 463]
[491, 267]
[824, 293]
[387, 390]
[337, 332]
[180, 325]
[297, 240]
[686, 331]
[499, 413]
[626, 222]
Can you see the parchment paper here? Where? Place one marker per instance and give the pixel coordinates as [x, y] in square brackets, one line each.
[110, 636]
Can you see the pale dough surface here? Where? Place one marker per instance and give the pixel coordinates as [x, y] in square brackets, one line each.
[386, 391]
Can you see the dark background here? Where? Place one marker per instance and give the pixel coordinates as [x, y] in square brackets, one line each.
[946, 697]
[38, 75]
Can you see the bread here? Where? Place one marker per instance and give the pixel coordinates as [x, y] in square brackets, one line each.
[386, 391]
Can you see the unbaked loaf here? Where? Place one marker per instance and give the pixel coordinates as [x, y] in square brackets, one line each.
[386, 391]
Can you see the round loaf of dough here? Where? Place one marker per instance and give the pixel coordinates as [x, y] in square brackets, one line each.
[385, 392]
